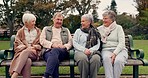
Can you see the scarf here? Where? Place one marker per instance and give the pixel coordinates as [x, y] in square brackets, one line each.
[92, 37]
[107, 31]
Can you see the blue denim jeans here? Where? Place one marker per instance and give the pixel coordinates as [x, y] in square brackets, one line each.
[53, 57]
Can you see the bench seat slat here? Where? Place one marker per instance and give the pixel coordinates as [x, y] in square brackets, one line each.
[130, 62]
[36, 63]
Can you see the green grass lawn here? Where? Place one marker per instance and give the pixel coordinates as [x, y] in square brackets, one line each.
[4, 45]
[141, 44]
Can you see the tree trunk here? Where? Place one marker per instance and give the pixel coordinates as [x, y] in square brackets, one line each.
[10, 25]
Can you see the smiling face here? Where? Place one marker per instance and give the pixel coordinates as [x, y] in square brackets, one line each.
[29, 20]
[58, 20]
[107, 20]
[85, 23]
[30, 24]
[108, 17]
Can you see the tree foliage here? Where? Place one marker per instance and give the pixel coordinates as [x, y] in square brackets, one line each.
[126, 21]
[113, 6]
[142, 26]
[143, 12]
[12, 10]
[72, 22]
[9, 14]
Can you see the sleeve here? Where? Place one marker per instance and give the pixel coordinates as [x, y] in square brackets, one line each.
[18, 44]
[69, 44]
[37, 45]
[121, 39]
[76, 45]
[43, 41]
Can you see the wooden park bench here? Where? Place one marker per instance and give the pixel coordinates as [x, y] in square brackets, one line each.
[136, 58]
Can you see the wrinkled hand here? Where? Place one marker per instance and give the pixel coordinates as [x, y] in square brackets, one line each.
[61, 46]
[87, 52]
[113, 56]
[54, 45]
[32, 49]
[36, 46]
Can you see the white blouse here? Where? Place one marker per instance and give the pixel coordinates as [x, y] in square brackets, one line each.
[30, 35]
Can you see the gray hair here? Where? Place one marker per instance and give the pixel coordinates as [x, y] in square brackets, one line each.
[111, 14]
[27, 17]
[89, 17]
[57, 14]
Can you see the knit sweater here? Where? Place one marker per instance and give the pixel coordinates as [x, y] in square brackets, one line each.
[115, 40]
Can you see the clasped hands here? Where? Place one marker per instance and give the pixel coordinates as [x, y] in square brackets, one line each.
[87, 52]
[56, 45]
[32, 48]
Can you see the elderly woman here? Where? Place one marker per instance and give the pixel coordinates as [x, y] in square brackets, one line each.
[114, 53]
[26, 47]
[86, 43]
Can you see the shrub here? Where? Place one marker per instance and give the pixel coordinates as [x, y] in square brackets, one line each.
[4, 39]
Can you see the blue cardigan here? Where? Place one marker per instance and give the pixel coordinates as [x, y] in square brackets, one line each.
[79, 42]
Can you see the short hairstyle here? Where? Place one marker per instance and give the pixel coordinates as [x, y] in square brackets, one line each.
[57, 14]
[27, 17]
[89, 17]
[111, 14]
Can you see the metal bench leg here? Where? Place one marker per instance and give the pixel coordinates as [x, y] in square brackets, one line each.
[7, 72]
[72, 71]
[135, 71]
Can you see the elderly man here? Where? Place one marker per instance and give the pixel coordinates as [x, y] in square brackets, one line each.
[56, 40]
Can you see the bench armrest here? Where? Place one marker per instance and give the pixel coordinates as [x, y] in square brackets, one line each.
[145, 62]
[6, 54]
[137, 53]
[71, 56]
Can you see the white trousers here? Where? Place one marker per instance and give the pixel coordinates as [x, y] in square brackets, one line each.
[114, 70]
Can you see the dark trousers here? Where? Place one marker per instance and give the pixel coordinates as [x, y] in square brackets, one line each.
[53, 57]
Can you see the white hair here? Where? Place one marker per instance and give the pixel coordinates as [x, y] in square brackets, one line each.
[89, 17]
[27, 17]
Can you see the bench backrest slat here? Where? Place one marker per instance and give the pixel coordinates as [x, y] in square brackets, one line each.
[128, 43]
